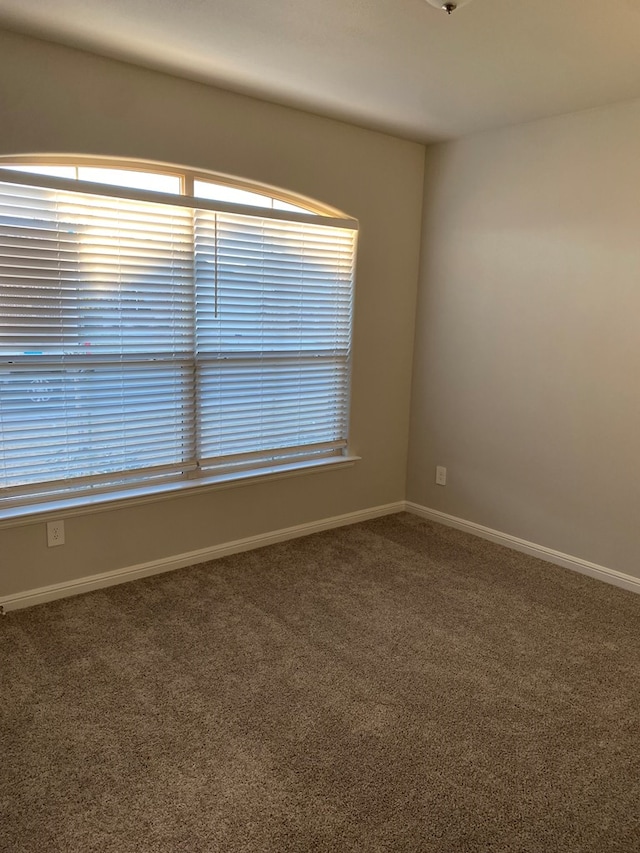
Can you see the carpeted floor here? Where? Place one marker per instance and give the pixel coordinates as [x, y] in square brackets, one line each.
[391, 686]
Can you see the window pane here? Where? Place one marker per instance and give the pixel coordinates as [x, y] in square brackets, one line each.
[252, 405]
[88, 275]
[267, 286]
[132, 179]
[221, 192]
[283, 205]
[91, 420]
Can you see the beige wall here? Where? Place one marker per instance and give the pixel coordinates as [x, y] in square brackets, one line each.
[56, 100]
[527, 362]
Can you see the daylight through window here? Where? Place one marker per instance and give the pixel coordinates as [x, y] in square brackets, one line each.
[160, 327]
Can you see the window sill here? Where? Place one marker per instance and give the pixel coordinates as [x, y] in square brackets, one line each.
[27, 514]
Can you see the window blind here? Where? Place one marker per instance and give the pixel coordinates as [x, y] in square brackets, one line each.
[144, 339]
[273, 334]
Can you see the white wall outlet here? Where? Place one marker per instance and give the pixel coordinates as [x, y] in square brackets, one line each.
[55, 533]
[441, 475]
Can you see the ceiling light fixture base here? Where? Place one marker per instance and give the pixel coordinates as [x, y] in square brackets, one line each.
[448, 7]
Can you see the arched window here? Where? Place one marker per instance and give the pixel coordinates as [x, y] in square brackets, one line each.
[160, 325]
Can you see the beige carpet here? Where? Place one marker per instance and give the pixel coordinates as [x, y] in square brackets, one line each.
[391, 686]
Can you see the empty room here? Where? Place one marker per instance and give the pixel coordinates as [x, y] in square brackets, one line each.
[319, 426]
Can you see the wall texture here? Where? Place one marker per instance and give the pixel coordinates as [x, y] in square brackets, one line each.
[526, 379]
[57, 100]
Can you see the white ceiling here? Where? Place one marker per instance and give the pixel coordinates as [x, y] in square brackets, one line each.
[395, 65]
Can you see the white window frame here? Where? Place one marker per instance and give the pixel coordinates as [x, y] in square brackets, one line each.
[94, 495]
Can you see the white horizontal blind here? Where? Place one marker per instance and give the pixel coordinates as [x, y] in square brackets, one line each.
[143, 340]
[96, 338]
[273, 336]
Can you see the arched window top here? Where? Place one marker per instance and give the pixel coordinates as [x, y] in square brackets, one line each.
[146, 176]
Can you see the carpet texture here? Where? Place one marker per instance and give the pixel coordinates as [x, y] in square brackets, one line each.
[391, 686]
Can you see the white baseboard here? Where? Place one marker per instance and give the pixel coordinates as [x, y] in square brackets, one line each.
[168, 564]
[576, 564]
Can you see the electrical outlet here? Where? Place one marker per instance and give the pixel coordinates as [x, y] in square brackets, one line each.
[55, 533]
[441, 475]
